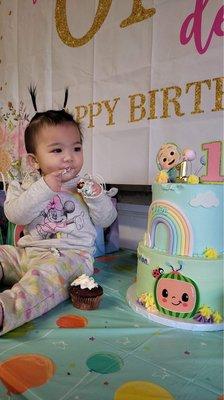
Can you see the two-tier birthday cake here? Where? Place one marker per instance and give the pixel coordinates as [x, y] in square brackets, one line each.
[180, 259]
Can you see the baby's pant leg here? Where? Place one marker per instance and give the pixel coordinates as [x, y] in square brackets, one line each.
[13, 263]
[43, 286]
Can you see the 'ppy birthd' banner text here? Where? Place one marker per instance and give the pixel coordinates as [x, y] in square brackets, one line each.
[140, 73]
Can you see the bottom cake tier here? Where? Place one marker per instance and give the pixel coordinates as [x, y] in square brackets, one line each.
[179, 290]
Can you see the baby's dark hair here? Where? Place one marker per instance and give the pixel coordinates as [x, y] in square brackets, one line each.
[46, 118]
[43, 119]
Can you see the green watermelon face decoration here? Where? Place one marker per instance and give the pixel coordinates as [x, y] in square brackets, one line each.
[176, 295]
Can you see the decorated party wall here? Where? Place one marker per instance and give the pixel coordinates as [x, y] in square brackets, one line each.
[140, 83]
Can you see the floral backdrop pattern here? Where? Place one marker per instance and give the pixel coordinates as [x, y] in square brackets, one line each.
[12, 126]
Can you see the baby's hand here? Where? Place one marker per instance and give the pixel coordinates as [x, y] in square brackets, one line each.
[89, 188]
[54, 180]
[96, 188]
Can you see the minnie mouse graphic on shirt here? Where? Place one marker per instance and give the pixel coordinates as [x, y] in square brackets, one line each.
[56, 218]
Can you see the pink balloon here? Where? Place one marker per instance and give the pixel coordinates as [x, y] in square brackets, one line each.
[189, 155]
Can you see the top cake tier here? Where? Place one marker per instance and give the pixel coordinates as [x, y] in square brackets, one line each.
[186, 220]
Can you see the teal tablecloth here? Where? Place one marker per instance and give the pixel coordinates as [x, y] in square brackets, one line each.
[111, 353]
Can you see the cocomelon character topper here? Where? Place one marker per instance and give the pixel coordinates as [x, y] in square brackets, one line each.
[175, 165]
[169, 158]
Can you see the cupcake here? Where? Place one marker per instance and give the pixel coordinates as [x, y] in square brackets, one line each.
[85, 293]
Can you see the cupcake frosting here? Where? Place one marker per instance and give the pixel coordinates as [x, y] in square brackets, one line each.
[85, 282]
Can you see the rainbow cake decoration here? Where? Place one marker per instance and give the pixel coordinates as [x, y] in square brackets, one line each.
[180, 259]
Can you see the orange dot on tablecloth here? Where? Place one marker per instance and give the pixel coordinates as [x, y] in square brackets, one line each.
[72, 321]
[142, 390]
[26, 371]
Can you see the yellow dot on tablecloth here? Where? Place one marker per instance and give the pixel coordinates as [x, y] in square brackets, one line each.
[142, 390]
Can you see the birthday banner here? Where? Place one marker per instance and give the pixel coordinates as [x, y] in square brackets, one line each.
[140, 73]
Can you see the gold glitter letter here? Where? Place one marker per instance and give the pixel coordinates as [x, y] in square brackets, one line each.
[133, 106]
[110, 109]
[62, 25]
[79, 114]
[197, 94]
[138, 14]
[218, 94]
[92, 115]
[174, 100]
[152, 104]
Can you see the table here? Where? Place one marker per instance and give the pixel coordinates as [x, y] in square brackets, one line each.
[111, 353]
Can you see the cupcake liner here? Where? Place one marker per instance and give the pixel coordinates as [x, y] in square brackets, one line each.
[85, 303]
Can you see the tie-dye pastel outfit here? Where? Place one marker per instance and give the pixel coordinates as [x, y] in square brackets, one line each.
[57, 246]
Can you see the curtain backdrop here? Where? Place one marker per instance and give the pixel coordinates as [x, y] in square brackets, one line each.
[140, 73]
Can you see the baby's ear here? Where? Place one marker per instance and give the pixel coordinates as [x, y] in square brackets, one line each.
[32, 161]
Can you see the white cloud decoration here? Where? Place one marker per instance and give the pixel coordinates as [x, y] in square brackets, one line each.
[206, 199]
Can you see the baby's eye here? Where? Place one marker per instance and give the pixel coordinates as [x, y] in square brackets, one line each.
[172, 153]
[164, 159]
[56, 151]
[77, 148]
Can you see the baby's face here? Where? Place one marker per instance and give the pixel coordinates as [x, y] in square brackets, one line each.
[59, 148]
[169, 156]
